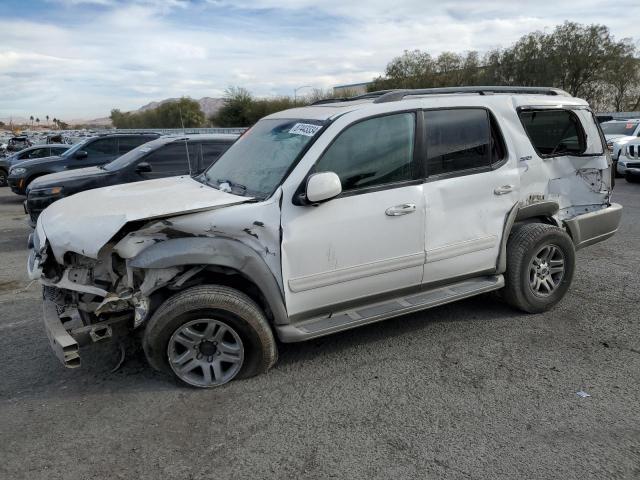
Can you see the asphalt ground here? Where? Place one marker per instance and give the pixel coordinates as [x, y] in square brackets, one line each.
[467, 390]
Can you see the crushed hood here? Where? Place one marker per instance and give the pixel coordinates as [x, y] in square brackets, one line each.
[85, 222]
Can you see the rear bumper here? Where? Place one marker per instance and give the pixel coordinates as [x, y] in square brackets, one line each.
[594, 227]
[632, 172]
[62, 343]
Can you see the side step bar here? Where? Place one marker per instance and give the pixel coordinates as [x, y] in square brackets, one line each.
[375, 312]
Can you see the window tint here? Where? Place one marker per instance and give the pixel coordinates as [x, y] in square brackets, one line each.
[373, 152]
[104, 146]
[170, 159]
[129, 143]
[39, 153]
[57, 150]
[459, 139]
[36, 153]
[554, 132]
[212, 151]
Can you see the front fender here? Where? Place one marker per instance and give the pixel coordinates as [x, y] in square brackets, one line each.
[222, 252]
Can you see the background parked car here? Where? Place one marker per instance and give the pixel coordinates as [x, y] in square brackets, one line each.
[18, 143]
[629, 163]
[92, 152]
[37, 151]
[164, 157]
[618, 133]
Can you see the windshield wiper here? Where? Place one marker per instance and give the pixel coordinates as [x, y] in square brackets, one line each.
[231, 185]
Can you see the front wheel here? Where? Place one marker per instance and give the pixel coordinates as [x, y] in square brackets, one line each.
[540, 266]
[3, 178]
[208, 335]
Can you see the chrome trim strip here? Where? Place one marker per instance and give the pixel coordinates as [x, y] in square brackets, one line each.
[324, 279]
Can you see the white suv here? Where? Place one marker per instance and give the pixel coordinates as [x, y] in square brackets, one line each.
[328, 217]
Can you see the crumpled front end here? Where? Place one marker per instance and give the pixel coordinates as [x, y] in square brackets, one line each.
[89, 299]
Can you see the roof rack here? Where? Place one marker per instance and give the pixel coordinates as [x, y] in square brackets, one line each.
[384, 96]
[364, 96]
[396, 95]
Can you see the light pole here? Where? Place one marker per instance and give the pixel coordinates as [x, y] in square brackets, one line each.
[295, 92]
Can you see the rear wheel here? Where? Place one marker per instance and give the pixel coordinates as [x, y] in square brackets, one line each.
[540, 266]
[208, 335]
[3, 178]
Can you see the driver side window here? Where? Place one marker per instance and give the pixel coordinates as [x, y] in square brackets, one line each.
[373, 152]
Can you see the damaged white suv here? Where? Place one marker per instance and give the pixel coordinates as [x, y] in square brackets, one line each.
[328, 217]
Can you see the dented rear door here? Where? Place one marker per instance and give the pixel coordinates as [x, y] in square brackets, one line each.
[564, 161]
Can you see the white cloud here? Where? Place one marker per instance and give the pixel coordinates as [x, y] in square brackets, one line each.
[122, 54]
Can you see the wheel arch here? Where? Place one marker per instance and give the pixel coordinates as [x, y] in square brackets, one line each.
[540, 212]
[227, 261]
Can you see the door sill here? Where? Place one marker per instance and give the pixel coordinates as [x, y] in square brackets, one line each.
[394, 307]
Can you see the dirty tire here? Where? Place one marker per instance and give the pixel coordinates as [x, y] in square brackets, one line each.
[526, 242]
[3, 178]
[223, 304]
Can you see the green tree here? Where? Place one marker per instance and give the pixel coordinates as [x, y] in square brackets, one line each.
[174, 114]
[235, 112]
[584, 60]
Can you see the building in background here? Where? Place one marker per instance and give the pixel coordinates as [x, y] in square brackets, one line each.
[351, 89]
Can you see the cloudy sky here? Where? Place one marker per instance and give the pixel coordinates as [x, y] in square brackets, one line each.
[77, 59]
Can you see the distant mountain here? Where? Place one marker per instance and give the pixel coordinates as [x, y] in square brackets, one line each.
[208, 105]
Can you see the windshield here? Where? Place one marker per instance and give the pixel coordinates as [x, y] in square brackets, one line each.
[258, 161]
[618, 128]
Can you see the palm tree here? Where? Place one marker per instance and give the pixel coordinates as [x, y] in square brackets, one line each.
[38, 121]
[47, 117]
[31, 118]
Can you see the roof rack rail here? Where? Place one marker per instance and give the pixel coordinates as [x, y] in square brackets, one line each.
[364, 96]
[395, 95]
[384, 96]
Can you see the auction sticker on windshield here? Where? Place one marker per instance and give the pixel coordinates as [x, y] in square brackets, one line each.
[306, 129]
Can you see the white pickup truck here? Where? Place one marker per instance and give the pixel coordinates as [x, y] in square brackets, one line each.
[328, 217]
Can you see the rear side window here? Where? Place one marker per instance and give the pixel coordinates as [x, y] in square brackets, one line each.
[126, 144]
[554, 132]
[373, 152]
[461, 139]
[103, 146]
[171, 159]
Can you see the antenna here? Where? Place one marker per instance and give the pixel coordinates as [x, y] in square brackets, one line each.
[186, 144]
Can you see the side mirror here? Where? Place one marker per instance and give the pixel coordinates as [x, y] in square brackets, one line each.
[80, 155]
[322, 187]
[143, 167]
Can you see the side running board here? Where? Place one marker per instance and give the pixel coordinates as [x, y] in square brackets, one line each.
[375, 312]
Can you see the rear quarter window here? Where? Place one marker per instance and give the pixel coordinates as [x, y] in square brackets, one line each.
[554, 132]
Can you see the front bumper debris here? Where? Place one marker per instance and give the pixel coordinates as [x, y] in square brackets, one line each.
[594, 227]
[63, 344]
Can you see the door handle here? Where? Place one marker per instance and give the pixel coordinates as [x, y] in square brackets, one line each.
[402, 209]
[503, 190]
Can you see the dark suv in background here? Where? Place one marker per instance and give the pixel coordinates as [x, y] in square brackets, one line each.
[37, 151]
[164, 157]
[91, 152]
